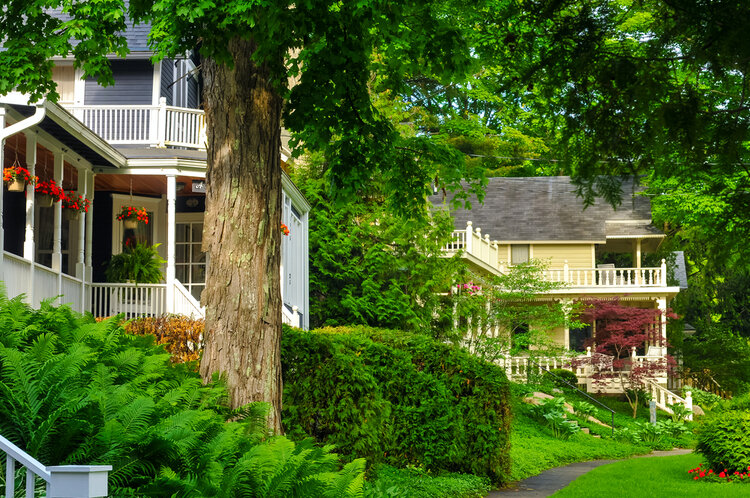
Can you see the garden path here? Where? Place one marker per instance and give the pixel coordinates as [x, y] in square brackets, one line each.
[552, 480]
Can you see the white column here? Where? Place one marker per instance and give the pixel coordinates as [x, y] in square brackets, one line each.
[469, 237]
[89, 226]
[662, 305]
[171, 198]
[28, 243]
[57, 234]
[81, 259]
[567, 306]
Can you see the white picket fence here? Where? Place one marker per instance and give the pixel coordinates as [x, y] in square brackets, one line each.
[153, 125]
[80, 481]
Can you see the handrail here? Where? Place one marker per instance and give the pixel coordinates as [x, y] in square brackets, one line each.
[180, 289]
[662, 396]
[612, 412]
[85, 481]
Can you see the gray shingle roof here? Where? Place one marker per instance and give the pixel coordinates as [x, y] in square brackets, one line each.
[547, 209]
[136, 34]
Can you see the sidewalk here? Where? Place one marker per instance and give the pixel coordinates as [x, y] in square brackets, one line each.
[552, 480]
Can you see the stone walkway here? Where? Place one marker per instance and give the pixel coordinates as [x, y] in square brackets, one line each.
[552, 480]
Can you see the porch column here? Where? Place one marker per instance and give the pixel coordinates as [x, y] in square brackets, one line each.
[81, 259]
[661, 303]
[637, 261]
[57, 234]
[28, 243]
[88, 275]
[567, 306]
[171, 198]
[2, 210]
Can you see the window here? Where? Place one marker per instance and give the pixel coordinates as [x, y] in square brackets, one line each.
[579, 338]
[190, 260]
[520, 337]
[519, 253]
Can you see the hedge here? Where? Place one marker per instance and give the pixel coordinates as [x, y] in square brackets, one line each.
[397, 398]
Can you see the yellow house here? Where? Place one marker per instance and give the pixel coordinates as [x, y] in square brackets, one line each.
[596, 252]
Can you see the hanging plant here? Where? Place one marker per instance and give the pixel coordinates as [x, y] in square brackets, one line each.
[284, 229]
[131, 213]
[76, 203]
[51, 189]
[16, 177]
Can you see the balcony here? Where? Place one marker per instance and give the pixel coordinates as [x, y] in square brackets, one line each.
[485, 254]
[146, 125]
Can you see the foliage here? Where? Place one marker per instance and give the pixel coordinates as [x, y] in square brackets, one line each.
[584, 410]
[133, 213]
[706, 400]
[181, 336]
[50, 188]
[79, 392]
[397, 398]
[680, 412]
[369, 267]
[76, 202]
[415, 482]
[563, 378]
[551, 412]
[13, 173]
[534, 449]
[724, 439]
[138, 263]
[620, 330]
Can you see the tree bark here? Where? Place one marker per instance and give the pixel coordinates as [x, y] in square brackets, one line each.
[241, 231]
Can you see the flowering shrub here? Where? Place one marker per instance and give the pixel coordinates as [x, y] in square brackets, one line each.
[76, 202]
[17, 173]
[469, 287]
[284, 229]
[708, 475]
[133, 213]
[49, 187]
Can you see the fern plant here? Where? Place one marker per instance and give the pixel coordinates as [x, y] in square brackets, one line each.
[73, 391]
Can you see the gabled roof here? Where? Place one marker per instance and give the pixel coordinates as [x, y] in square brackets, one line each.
[548, 209]
[135, 34]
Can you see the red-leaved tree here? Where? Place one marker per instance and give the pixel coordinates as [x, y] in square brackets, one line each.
[622, 331]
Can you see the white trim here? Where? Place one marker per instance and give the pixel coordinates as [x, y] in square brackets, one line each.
[156, 84]
[300, 203]
[548, 242]
[629, 222]
[171, 166]
[650, 236]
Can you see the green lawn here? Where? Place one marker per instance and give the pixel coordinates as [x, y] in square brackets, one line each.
[645, 477]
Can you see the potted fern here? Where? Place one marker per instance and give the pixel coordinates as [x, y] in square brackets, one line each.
[139, 263]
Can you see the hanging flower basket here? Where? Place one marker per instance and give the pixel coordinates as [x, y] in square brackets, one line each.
[131, 216]
[284, 229]
[16, 177]
[73, 205]
[49, 192]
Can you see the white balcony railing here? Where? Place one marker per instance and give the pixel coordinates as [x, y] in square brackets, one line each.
[152, 125]
[479, 249]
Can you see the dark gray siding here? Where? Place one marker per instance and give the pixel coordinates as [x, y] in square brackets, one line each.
[133, 85]
[167, 77]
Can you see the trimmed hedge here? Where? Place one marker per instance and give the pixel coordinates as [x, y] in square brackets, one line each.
[397, 398]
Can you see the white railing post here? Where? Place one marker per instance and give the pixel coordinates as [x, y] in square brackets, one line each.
[295, 316]
[161, 128]
[477, 244]
[487, 248]
[689, 404]
[663, 273]
[566, 272]
[469, 237]
[171, 247]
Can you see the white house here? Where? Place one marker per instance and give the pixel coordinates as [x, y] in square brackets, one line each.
[138, 143]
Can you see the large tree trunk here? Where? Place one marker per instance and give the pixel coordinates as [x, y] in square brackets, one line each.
[241, 232]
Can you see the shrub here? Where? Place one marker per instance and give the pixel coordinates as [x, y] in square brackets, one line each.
[559, 375]
[724, 439]
[415, 482]
[181, 336]
[73, 391]
[706, 400]
[397, 398]
[584, 410]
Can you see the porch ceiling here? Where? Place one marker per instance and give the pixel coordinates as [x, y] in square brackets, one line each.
[142, 184]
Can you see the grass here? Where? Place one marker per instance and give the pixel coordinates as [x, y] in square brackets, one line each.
[534, 449]
[644, 477]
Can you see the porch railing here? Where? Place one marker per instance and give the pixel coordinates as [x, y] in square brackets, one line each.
[154, 125]
[85, 481]
[185, 303]
[480, 249]
[129, 299]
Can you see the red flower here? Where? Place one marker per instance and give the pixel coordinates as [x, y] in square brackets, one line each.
[722, 474]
